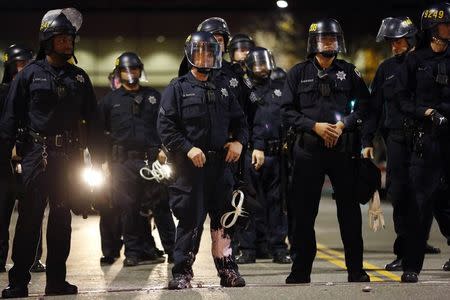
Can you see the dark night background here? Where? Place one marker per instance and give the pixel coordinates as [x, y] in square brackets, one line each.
[156, 29]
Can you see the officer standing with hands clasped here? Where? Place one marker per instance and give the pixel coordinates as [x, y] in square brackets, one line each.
[423, 89]
[50, 99]
[323, 100]
[197, 114]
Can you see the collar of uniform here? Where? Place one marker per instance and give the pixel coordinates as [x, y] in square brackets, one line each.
[429, 53]
[336, 64]
[122, 91]
[191, 78]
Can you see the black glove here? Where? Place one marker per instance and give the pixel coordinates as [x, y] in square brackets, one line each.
[439, 121]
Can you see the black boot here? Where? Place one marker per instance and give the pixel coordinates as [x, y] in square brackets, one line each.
[246, 258]
[15, 292]
[38, 267]
[282, 258]
[180, 282]
[107, 260]
[446, 266]
[410, 277]
[431, 249]
[360, 276]
[297, 278]
[130, 261]
[395, 265]
[64, 288]
[231, 278]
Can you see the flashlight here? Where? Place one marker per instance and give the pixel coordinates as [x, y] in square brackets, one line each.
[93, 177]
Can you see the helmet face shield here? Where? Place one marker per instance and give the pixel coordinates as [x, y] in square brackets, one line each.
[132, 75]
[395, 28]
[204, 54]
[260, 63]
[326, 43]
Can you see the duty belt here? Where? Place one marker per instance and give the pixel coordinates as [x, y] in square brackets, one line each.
[57, 141]
[215, 156]
[272, 147]
[121, 153]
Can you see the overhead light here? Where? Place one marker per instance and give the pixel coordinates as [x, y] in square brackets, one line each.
[282, 4]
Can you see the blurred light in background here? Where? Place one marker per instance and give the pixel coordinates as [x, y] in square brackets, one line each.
[282, 4]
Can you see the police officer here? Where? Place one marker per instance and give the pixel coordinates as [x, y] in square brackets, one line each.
[422, 87]
[400, 33]
[197, 113]
[231, 73]
[278, 75]
[14, 59]
[263, 161]
[238, 48]
[51, 100]
[318, 102]
[129, 116]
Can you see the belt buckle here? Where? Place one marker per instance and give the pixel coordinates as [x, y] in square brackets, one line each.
[58, 140]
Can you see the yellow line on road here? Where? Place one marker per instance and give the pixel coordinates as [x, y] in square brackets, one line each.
[366, 265]
[340, 263]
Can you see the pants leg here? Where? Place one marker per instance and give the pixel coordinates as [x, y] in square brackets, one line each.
[398, 191]
[110, 232]
[166, 225]
[256, 227]
[276, 218]
[308, 179]
[7, 201]
[58, 241]
[127, 191]
[26, 238]
[340, 171]
[186, 198]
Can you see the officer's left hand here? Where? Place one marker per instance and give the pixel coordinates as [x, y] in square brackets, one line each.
[338, 127]
[234, 151]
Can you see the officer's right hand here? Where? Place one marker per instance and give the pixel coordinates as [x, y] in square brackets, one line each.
[438, 119]
[367, 152]
[197, 157]
[257, 159]
[327, 132]
[14, 155]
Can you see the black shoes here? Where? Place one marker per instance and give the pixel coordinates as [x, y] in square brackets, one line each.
[410, 277]
[246, 258]
[180, 282]
[297, 278]
[446, 266]
[360, 276]
[282, 258]
[130, 262]
[38, 267]
[231, 278]
[431, 249]
[107, 260]
[63, 288]
[151, 258]
[395, 265]
[15, 292]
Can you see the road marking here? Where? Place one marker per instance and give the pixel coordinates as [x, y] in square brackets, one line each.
[340, 263]
[366, 265]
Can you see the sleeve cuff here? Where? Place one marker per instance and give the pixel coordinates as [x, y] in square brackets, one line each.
[420, 112]
[258, 145]
[186, 147]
